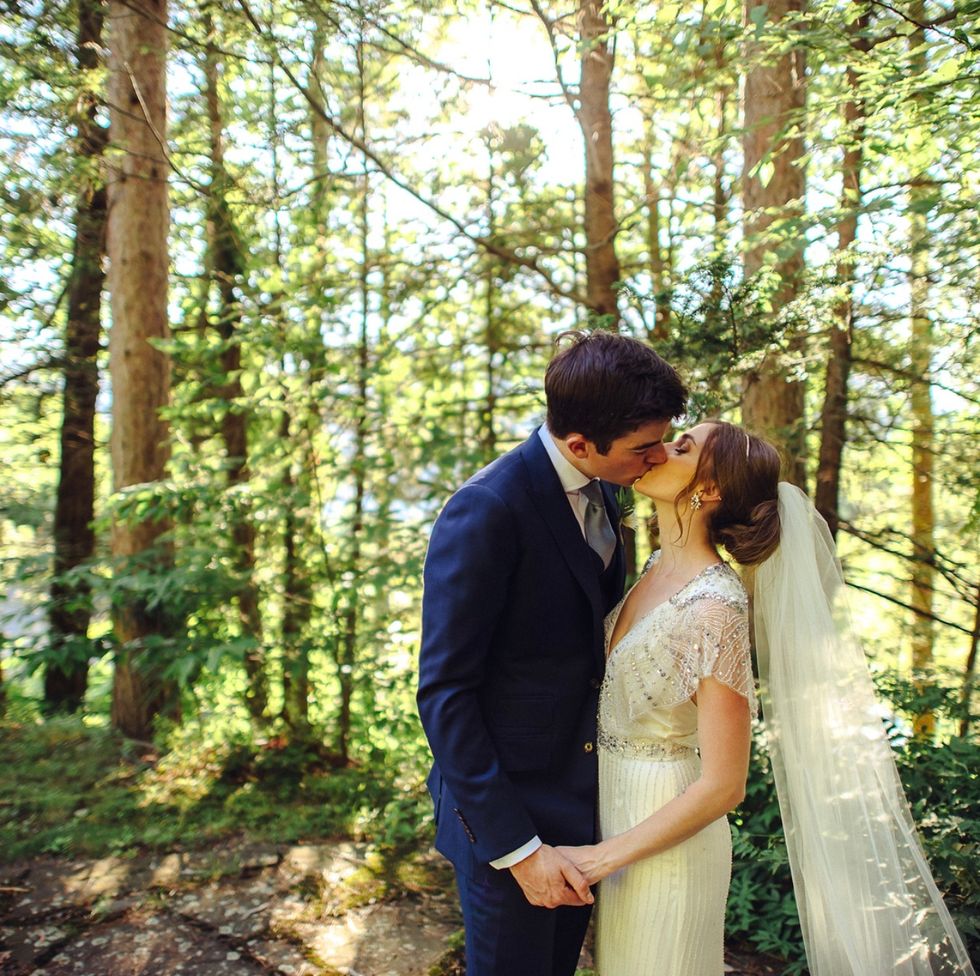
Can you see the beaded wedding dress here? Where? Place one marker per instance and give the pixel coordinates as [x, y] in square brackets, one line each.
[665, 915]
[867, 900]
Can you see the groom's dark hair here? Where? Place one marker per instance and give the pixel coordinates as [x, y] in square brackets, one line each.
[604, 385]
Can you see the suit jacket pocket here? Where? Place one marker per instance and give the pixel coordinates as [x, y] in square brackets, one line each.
[522, 728]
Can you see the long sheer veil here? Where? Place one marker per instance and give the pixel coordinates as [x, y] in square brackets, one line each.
[868, 904]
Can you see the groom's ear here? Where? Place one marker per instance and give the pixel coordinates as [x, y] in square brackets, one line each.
[578, 445]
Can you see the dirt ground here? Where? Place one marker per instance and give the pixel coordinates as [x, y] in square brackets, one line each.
[236, 910]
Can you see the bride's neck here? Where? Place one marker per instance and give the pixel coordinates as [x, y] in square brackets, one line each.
[684, 544]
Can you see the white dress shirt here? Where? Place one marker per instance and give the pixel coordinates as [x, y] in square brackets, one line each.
[572, 480]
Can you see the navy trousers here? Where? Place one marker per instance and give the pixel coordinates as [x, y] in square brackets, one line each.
[507, 936]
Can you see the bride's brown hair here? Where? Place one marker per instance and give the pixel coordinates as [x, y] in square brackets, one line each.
[745, 470]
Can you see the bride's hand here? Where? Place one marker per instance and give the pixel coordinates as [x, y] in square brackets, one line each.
[588, 860]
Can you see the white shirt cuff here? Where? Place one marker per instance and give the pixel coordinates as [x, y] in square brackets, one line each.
[515, 857]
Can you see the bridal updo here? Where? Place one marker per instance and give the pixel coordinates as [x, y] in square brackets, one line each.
[745, 470]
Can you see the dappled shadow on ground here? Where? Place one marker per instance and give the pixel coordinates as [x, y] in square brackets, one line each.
[236, 909]
[240, 909]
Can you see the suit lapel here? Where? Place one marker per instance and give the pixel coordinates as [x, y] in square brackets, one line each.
[549, 497]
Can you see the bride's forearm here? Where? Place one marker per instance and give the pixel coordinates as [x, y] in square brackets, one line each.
[683, 817]
[724, 733]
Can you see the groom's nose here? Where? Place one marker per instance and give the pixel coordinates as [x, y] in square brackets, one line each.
[656, 455]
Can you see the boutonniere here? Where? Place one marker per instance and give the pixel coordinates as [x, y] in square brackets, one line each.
[626, 501]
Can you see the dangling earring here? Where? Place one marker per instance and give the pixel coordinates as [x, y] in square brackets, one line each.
[696, 500]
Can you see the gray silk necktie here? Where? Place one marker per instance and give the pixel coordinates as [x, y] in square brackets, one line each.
[598, 532]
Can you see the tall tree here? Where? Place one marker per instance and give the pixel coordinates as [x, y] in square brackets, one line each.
[833, 415]
[138, 273]
[319, 130]
[966, 692]
[660, 272]
[66, 677]
[297, 478]
[346, 657]
[225, 267]
[589, 102]
[491, 331]
[920, 362]
[720, 189]
[595, 119]
[773, 185]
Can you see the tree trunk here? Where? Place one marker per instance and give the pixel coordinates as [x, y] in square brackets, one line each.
[833, 417]
[920, 366]
[319, 130]
[226, 264]
[774, 99]
[297, 604]
[137, 244]
[488, 435]
[968, 671]
[657, 265]
[595, 120]
[351, 617]
[923, 517]
[720, 193]
[297, 586]
[65, 682]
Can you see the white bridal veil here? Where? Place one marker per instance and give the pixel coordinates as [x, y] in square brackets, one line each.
[868, 904]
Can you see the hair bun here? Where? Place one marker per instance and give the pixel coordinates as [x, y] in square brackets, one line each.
[752, 542]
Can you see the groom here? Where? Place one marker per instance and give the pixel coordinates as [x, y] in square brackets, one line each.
[524, 562]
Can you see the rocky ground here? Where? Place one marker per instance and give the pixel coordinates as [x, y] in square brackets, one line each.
[236, 910]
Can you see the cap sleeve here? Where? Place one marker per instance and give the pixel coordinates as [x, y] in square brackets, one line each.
[724, 647]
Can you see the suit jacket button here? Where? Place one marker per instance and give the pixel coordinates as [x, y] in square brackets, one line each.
[596, 683]
[588, 747]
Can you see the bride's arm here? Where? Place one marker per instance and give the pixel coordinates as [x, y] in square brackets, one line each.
[724, 734]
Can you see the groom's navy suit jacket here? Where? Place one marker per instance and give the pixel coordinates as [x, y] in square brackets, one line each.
[511, 662]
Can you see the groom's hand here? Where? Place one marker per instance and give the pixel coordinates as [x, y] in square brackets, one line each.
[548, 879]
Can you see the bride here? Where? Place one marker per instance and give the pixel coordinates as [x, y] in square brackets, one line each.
[675, 715]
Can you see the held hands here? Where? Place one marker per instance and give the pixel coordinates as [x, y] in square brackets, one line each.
[588, 860]
[549, 879]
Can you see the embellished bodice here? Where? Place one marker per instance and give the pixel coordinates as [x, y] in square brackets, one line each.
[653, 671]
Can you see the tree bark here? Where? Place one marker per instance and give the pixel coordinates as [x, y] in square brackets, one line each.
[488, 433]
[298, 601]
[658, 267]
[66, 680]
[297, 585]
[774, 100]
[595, 120]
[920, 362]
[351, 617]
[833, 417]
[923, 516]
[137, 244]
[969, 669]
[319, 130]
[720, 193]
